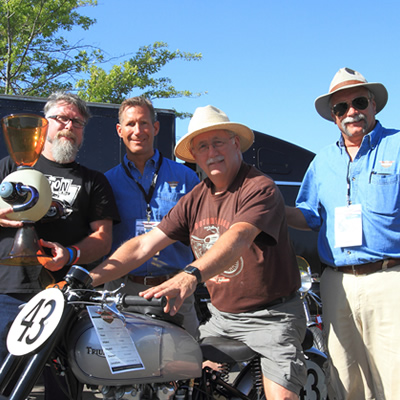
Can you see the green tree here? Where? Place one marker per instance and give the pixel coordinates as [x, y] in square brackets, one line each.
[139, 72]
[34, 59]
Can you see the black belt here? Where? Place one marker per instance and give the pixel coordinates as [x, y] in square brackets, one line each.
[149, 280]
[369, 268]
[280, 300]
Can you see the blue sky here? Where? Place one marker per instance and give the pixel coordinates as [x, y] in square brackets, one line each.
[264, 62]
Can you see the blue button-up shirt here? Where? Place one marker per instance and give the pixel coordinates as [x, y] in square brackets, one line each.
[372, 179]
[173, 182]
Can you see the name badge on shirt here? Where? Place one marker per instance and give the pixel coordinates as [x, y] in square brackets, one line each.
[348, 226]
[144, 226]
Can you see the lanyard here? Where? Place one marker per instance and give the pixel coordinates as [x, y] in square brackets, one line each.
[147, 196]
[348, 184]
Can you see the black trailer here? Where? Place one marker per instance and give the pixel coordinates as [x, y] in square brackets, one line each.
[102, 148]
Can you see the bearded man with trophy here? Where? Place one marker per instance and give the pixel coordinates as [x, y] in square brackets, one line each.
[54, 212]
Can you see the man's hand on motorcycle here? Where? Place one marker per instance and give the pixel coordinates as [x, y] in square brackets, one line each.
[59, 253]
[179, 288]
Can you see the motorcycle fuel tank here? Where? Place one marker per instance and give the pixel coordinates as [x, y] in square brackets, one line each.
[166, 353]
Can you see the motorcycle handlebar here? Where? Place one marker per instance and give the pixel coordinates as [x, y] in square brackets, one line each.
[138, 301]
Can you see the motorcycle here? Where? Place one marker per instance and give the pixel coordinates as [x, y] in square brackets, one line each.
[130, 349]
[312, 303]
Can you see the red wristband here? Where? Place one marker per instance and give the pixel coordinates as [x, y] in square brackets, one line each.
[78, 254]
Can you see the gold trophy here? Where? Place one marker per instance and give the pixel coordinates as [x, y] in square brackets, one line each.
[26, 190]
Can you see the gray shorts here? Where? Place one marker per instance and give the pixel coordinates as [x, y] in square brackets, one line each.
[275, 333]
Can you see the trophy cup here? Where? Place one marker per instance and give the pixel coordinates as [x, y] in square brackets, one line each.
[26, 189]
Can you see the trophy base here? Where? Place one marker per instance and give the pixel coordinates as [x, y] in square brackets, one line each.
[26, 251]
[25, 261]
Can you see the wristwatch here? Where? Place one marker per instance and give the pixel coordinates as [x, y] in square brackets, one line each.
[190, 269]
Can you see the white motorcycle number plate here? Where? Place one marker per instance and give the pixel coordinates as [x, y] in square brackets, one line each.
[36, 322]
[315, 388]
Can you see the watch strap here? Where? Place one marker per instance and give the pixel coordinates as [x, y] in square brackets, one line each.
[192, 270]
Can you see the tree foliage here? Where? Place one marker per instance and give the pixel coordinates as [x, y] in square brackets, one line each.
[34, 59]
[139, 72]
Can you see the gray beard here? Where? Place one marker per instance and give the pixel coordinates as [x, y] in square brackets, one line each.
[64, 152]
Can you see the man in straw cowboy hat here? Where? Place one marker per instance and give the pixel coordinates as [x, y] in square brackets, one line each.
[235, 223]
[351, 195]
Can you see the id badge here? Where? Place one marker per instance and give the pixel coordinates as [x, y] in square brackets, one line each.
[348, 226]
[144, 226]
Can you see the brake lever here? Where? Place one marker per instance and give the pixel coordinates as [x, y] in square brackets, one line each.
[113, 308]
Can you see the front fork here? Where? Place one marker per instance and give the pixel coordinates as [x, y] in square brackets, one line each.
[18, 374]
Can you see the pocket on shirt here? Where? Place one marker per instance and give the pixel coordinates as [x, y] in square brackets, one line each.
[383, 194]
[167, 201]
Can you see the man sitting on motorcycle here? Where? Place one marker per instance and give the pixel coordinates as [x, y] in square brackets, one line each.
[235, 223]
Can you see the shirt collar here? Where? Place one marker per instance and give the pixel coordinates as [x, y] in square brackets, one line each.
[154, 160]
[375, 135]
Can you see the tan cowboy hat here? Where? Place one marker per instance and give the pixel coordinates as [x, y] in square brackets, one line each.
[206, 119]
[347, 78]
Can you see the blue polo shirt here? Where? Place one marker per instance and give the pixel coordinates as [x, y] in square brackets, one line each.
[372, 179]
[173, 182]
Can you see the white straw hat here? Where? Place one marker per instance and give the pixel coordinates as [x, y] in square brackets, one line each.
[206, 119]
[347, 78]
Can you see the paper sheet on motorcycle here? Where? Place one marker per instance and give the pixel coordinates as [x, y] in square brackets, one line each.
[116, 342]
[36, 322]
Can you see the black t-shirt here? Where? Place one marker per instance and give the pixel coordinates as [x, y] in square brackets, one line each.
[89, 198]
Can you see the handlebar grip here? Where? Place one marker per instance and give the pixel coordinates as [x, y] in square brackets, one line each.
[138, 301]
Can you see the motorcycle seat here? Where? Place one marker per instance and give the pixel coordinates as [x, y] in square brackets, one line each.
[224, 350]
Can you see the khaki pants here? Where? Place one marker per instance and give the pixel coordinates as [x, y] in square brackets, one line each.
[188, 310]
[362, 326]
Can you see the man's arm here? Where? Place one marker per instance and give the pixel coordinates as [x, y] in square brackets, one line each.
[98, 243]
[130, 255]
[224, 253]
[295, 219]
[92, 247]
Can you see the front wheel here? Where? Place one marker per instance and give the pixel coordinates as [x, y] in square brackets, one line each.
[318, 339]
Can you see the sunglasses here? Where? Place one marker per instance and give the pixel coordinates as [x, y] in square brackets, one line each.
[359, 103]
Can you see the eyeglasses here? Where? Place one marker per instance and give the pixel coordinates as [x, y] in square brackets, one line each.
[203, 147]
[63, 119]
[359, 103]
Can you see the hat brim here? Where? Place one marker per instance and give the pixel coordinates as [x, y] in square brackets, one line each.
[323, 107]
[245, 134]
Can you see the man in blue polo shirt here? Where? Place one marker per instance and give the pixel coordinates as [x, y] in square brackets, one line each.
[351, 195]
[146, 186]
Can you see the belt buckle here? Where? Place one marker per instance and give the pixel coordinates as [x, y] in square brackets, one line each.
[353, 268]
[145, 280]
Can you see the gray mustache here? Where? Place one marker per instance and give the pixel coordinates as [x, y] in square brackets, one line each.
[357, 118]
[215, 159]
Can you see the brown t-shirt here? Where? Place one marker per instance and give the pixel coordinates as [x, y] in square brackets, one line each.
[268, 269]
